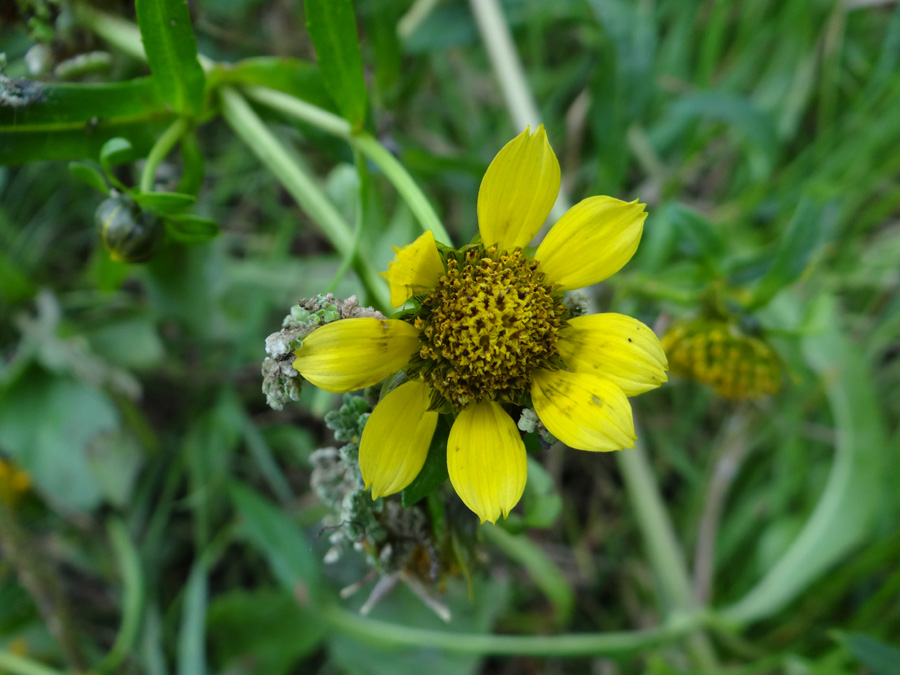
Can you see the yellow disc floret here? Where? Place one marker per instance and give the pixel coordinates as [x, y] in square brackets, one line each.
[491, 320]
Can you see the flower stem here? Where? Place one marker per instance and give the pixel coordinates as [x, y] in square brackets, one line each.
[579, 644]
[263, 143]
[665, 554]
[306, 112]
[396, 173]
[363, 142]
[160, 149]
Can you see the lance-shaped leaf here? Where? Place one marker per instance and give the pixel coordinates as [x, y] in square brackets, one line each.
[73, 121]
[810, 227]
[172, 53]
[332, 26]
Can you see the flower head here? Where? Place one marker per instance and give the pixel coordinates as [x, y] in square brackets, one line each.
[720, 354]
[489, 330]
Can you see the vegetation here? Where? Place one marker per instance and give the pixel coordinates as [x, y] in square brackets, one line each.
[173, 179]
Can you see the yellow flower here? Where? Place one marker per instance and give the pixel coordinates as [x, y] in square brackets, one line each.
[490, 331]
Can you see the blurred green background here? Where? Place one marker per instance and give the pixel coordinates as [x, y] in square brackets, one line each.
[169, 525]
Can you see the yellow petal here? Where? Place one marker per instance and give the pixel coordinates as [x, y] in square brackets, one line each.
[415, 270]
[615, 347]
[518, 190]
[396, 438]
[591, 242]
[486, 460]
[355, 353]
[584, 411]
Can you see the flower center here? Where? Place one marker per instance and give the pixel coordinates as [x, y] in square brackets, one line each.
[490, 322]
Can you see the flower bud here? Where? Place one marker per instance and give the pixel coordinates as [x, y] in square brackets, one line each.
[129, 234]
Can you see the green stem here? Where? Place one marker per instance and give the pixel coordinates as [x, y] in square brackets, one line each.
[586, 644]
[306, 112]
[158, 152]
[545, 573]
[16, 665]
[263, 143]
[364, 186]
[665, 554]
[394, 171]
[133, 605]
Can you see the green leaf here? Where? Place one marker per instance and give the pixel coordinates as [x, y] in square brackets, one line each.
[89, 175]
[332, 26]
[266, 627]
[876, 656]
[546, 574]
[172, 53]
[115, 459]
[434, 472]
[48, 425]
[844, 514]
[382, 24]
[116, 151]
[755, 129]
[192, 631]
[73, 121]
[191, 229]
[14, 283]
[809, 228]
[278, 538]
[166, 203]
[292, 76]
[697, 235]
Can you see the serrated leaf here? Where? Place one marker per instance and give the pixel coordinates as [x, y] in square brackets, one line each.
[191, 229]
[163, 202]
[434, 472]
[332, 26]
[172, 53]
[89, 176]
